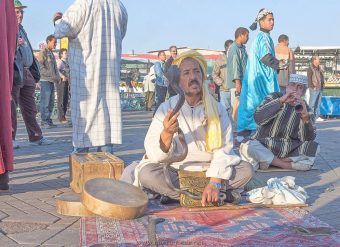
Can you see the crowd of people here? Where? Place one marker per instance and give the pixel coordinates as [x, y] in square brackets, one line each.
[38, 72]
[261, 101]
[90, 69]
[260, 94]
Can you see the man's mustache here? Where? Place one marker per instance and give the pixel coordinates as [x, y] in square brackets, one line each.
[193, 82]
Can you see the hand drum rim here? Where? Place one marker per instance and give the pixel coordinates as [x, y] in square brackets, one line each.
[113, 198]
[69, 204]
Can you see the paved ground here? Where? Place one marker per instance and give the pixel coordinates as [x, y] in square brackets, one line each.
[27, 212]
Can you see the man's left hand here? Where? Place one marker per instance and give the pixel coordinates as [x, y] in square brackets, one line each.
[210, 194]
[57, 16]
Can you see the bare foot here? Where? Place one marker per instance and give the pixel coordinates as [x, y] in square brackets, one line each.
[281, 163]
[286, 159]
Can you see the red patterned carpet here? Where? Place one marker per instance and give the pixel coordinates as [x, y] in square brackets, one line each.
[244, 227]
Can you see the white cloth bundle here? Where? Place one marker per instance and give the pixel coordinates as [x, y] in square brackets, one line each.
[279, 191]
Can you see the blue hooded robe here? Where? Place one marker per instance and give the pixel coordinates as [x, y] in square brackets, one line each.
[259, 80]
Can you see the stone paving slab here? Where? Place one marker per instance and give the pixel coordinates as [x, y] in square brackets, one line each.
[6, 241]
[69, 236]
[36, 217]
[36, 237]
[2, 214]
[27, 195]
[42, 172]
[19, 227]
[66, 222]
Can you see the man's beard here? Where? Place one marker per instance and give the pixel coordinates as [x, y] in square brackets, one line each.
[193, 94]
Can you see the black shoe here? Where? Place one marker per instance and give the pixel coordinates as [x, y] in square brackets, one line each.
[50, 123]
[167, 200]
[4, 180]
[45, 125]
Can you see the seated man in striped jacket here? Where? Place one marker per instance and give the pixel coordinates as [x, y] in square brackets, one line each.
[285, 132]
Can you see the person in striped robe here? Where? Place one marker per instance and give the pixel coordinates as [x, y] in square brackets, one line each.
[285, 130]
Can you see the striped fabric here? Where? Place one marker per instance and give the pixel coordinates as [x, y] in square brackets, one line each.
[281, 129]
[95, 29]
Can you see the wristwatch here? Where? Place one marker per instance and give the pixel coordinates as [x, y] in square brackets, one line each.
[217, 185]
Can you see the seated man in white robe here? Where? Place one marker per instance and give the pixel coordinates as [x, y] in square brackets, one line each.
[212, 153]
[285, 131]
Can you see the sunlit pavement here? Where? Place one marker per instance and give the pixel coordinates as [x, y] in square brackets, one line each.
[27, 212]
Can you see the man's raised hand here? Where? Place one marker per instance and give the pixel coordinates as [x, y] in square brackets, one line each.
[170, 124]
[57, 16]
[290, 97]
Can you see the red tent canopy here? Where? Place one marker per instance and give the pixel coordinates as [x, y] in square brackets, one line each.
[155, 57]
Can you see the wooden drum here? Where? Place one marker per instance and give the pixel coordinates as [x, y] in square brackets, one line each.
[69, 204]
[114, 199]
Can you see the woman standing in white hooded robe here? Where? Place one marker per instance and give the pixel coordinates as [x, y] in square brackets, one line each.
[95, 29]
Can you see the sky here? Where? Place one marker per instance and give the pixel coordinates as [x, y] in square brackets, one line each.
[157, 24]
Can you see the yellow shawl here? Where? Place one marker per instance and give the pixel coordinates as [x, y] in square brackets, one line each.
[214, 135]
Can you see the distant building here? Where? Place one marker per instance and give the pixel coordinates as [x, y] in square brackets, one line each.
[330, 61]
[143, 62]
[210, 55]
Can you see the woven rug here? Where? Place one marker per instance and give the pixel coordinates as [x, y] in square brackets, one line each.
[244, 227]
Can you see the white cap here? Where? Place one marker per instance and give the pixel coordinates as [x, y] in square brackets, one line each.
[300, 79]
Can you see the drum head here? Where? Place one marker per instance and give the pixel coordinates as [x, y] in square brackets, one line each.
[113, 198]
